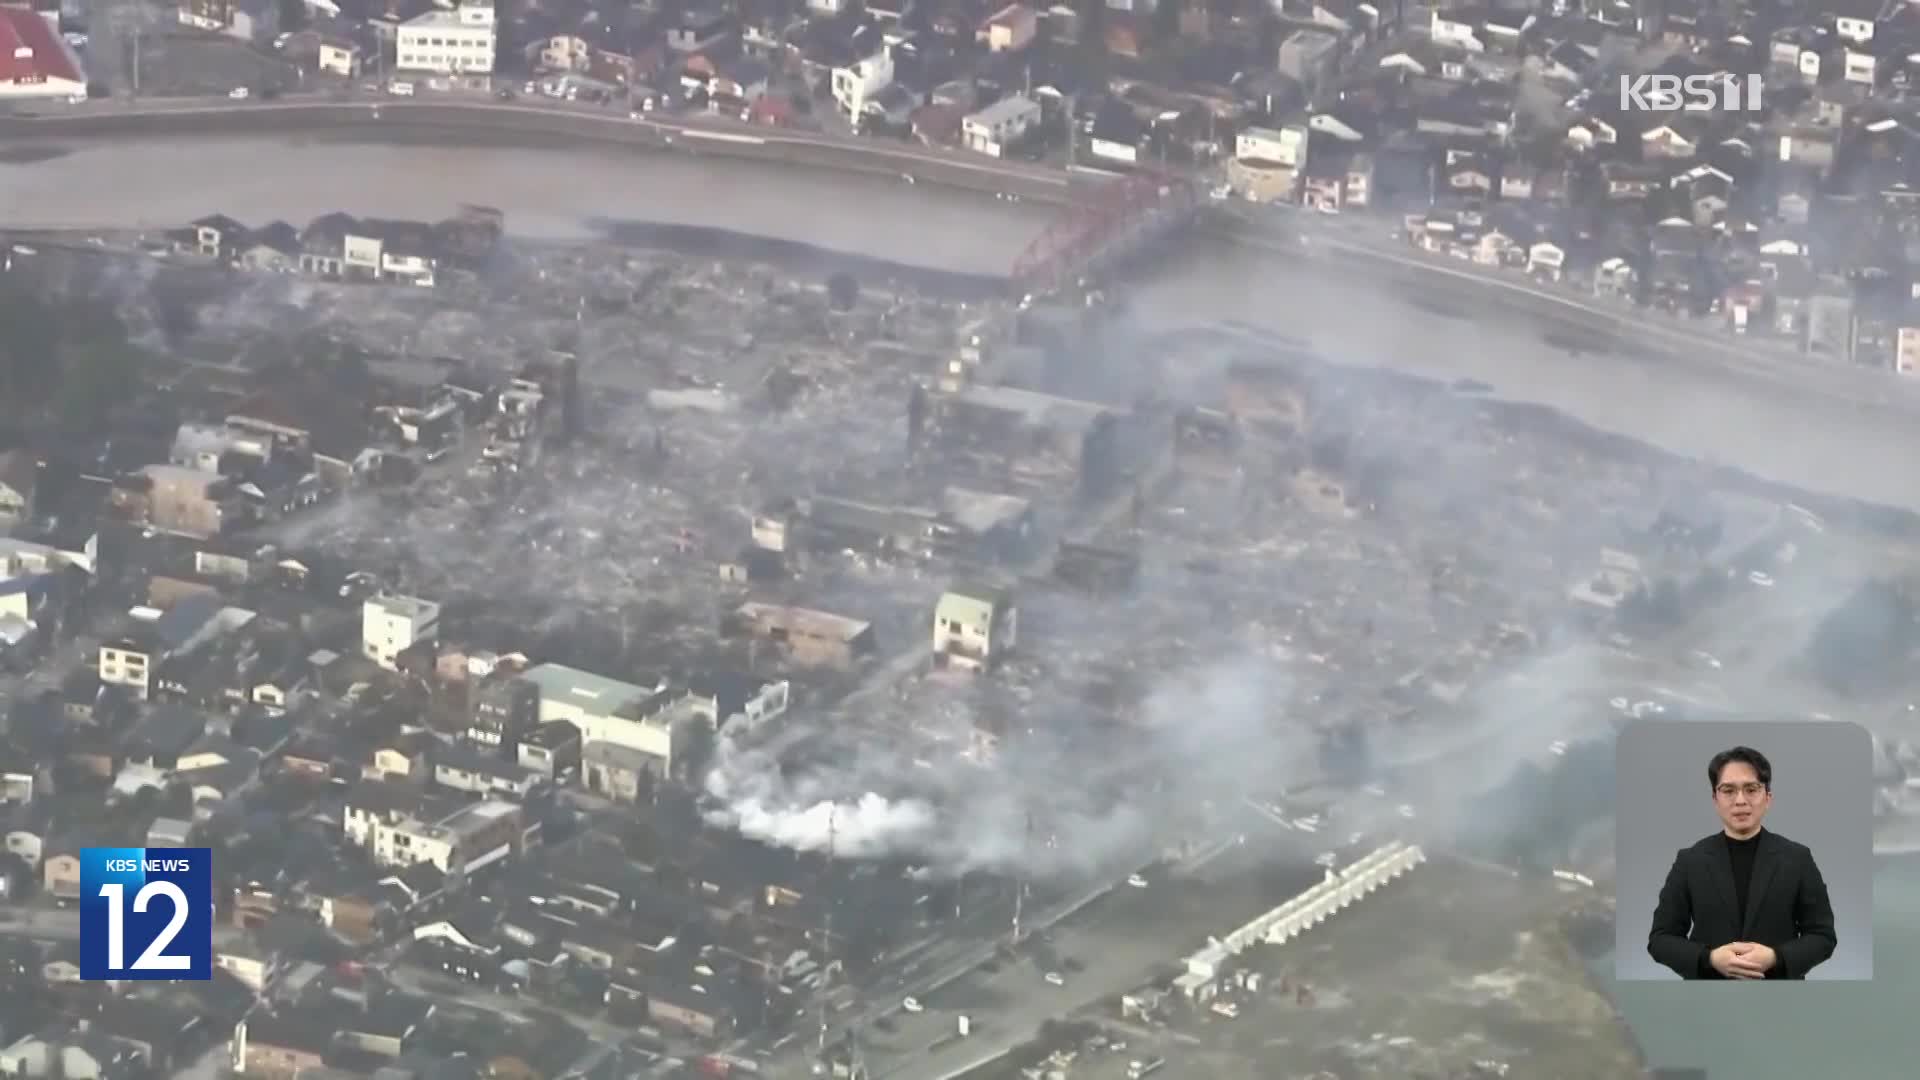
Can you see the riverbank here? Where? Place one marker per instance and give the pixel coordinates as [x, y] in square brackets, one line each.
[568, 195]
[1797, 432]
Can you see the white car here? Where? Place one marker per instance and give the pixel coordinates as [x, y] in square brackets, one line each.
[1765, 581]
[1054, 978]
[239, 93]
[912, 1005]
[1137, 881]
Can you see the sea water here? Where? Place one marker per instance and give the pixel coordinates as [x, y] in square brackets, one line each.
[1827, 1031]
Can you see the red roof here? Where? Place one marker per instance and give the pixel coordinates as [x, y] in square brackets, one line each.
[31, 51]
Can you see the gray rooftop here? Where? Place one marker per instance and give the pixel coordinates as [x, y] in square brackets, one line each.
[584, 690]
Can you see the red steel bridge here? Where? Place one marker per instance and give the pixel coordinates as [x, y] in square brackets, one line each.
[1109, 219]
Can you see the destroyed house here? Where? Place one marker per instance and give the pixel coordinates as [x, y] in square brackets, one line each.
[1094, 568]
[809, 638]
[1205, 436]
[1018, 438]
[968, 525]
[1269, 397]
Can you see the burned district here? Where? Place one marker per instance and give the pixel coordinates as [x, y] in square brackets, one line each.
[605, 659]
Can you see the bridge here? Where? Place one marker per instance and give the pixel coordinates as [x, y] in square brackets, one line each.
[1109, 220]
[1336, 892]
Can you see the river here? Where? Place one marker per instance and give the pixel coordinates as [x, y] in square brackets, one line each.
[1789, 433]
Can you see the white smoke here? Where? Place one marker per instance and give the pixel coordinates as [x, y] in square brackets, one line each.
[752, 796]
[1066, 798]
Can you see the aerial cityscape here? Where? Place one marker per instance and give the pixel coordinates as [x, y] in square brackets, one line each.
[936, 539]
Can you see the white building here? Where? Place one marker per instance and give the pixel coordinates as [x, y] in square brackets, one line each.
[466, 840]
[973, 627]
[391, 624]
[854, 86]
[1285, 146]
[454, 42]
[993, 129]
[622, 714]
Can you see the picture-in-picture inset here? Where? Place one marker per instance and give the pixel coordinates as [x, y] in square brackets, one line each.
[1744, 852]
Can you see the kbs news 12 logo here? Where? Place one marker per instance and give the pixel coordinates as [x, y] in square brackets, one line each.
[1691, 93]
[146, 913]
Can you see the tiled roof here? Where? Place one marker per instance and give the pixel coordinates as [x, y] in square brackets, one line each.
[30, 50]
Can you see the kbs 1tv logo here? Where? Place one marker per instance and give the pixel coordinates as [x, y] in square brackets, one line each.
[146, 913]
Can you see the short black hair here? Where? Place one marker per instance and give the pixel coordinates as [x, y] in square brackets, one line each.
[1746, 755]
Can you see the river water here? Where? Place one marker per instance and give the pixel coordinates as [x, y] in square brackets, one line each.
[1803, 1031]
[1785, 431]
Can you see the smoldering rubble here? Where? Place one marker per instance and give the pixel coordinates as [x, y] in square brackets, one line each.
[1071, 802]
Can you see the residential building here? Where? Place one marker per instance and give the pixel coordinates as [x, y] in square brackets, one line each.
[19, 477]
[504, 713]
[454, 42]
[973, 628]
[391, 624]
[1283, 146]
[188, 502]
[652, 723]
[401, 252]
[1010, 29]
[337, 56]
[993, 130]
[855, 84]
[35, 60]
[132, 660]
[551, 750]
[270, 1046]
[399, 826]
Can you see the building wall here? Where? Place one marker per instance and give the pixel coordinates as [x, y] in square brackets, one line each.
[335, 60]
[186, 505]
[438, 47]
[615, 782]
[127, 667]
[61, 875]
[389, 628]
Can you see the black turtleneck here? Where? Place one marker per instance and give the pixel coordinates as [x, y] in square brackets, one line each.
[1742, 853]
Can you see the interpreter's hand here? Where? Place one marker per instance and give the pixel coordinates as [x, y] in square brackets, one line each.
[1757, 959]
[1730, 960]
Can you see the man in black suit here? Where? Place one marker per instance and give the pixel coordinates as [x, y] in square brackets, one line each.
[1744, 903]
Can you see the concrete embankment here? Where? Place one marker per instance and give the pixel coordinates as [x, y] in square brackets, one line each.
[535, 127]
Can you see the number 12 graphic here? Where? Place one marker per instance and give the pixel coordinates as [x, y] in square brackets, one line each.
[155, 957]
[153, 906]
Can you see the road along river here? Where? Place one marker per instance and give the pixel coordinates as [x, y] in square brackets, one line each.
[1801, 429]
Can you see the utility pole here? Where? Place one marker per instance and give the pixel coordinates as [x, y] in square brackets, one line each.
[1020, 884]
[1073, 135]
[826, 934]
